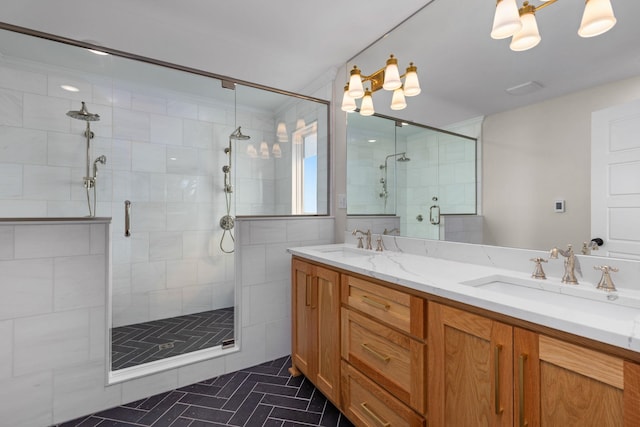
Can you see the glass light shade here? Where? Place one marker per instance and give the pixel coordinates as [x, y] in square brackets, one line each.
[391, 75]
[597, 18]
[277, 152]
[356, 90]
[506, 21]
[397, 101]
[251, 151]
[528, 36]
[264, 150]
[300, 124]
[281, 133]
[411, 83]
[348, 103]
[366, 108]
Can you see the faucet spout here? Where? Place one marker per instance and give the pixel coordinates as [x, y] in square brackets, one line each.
[570, 264]
[366, 234]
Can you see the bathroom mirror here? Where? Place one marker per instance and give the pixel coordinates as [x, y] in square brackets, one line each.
[409, 170]
[159, 146]
[534, 139]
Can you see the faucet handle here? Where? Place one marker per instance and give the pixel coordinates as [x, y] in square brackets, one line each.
[380, 244]
[538, 272]
[606, 283]
[360, 245]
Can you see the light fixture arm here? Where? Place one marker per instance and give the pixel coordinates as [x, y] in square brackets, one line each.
[543, 5]
[377, 79]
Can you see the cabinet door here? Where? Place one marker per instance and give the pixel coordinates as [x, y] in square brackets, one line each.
[470, 360]
[563, 384]
[326, 304]
[303, 339]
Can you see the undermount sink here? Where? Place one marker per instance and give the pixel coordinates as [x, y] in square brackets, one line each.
[562, 296]
[346, 252]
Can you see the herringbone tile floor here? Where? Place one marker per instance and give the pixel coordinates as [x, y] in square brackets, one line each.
[133, 345]
[264, 395]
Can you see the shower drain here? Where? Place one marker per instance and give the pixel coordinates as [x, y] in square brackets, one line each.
[165, 346]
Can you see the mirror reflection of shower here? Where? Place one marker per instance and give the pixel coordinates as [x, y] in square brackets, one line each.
[384, 194]
[91, 175]
[227, 222]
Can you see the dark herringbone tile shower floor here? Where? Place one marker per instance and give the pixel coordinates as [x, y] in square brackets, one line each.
[133, 345]
[264, 395]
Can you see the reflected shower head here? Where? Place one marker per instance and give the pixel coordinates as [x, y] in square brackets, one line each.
[404, 158]
[83, 114]
[237, 134]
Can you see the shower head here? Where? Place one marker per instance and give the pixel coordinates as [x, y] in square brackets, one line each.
[403, 158]
[237, 134]
[83, 114]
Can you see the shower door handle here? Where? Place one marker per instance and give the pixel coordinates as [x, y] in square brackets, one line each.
[127, 218]
[434, 214]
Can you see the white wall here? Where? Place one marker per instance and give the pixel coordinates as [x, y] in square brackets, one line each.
[537, 154]
[53, 281]
[165, 152]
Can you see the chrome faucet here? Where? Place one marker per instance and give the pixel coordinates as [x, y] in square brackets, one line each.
[570, 264]
[366, 234]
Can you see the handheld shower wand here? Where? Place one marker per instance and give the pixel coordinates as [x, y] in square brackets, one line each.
[227, 222]
[89, 180]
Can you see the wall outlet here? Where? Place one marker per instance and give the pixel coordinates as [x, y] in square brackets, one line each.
[342, 201]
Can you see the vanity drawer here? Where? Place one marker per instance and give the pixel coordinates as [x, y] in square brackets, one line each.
[390, 358]
[366, 404]
[396, 308]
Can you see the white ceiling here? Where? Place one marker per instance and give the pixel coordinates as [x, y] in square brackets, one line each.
[285, 44]
[290, 44]
[464, 72]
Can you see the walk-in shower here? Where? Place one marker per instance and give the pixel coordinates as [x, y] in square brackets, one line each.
[384, 194]
[227, 222]
[89, 179]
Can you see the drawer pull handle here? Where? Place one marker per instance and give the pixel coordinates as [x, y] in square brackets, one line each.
[380, 356]
[373, 415]
[496, 374]
[522, 421]
[376, 304]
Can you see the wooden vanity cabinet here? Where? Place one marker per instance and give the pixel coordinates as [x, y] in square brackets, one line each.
[388, 357]
[470, 360]
[384, 354]
[315, 331]
[486, 373]
[563, 384]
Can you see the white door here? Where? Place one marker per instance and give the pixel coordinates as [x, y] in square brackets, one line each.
[615, 180]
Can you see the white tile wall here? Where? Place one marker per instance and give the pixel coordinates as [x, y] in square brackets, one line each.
[55, 327]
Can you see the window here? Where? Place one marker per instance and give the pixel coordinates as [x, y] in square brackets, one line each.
[305, 170]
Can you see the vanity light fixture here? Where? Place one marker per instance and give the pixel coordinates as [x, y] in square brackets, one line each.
[276, 150]
[264, 150]
[521, 25]
[281, 132]
[387, 78]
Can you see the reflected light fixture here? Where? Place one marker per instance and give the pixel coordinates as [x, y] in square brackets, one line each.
[521, 25]
[70, 88]
[281, 132]
[264, 150]
[387, 78]
[276, 151]
[251, 151]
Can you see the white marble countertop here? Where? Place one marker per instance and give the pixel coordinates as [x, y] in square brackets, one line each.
[612, 318]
